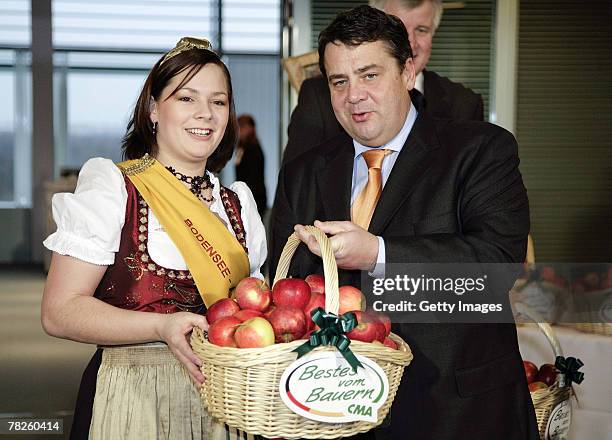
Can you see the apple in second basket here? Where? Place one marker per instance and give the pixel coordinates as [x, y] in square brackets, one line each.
[547, 374]
[531, 371]
[253, 294]
[254, 333]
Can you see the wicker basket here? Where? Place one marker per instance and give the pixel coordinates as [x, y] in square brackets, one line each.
[546, 399]
[241, 386]
[591, 308]
[601, 328]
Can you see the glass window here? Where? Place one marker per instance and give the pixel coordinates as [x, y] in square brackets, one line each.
[99, 105]
[251, 26]
[7, 134]
[15, 128]
[131, 24]
[15, 23]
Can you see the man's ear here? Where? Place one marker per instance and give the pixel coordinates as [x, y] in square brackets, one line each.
[409, 74]
[153, 110]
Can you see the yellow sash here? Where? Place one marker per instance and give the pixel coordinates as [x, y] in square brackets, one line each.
[214, 257]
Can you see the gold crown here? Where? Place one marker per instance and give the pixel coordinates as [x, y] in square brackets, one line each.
[187, 43]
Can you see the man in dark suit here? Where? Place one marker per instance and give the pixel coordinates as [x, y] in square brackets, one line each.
[451, 192]
[313, 119]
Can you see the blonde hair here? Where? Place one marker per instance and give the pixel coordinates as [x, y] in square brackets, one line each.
[438, 8]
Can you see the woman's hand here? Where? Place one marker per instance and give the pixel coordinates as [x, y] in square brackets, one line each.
[174, 330]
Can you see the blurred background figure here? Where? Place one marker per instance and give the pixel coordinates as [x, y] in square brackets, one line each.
[249, 159]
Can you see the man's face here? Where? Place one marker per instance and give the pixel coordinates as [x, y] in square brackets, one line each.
[419, 23]
[368, 90]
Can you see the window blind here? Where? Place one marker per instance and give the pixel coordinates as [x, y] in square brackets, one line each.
[564, 108]
[463, 44]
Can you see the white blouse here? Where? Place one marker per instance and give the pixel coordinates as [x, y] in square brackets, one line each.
[89, 222]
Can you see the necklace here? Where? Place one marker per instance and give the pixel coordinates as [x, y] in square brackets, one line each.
[197, 184]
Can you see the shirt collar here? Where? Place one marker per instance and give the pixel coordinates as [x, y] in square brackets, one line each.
[419, 83]
[397, 143]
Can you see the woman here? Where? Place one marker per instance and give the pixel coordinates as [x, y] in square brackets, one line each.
[250, 161]
[143, 247]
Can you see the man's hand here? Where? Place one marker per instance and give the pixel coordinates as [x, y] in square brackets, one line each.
[354, 248]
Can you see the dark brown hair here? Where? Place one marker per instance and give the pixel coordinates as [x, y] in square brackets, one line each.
[365, 24]
[139, 137]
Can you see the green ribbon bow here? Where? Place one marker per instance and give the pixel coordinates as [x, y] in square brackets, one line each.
[569, 368]
[332, 332]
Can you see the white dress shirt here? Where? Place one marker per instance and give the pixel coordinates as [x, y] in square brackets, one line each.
[360, 174]
[89, 222]
[419, 83]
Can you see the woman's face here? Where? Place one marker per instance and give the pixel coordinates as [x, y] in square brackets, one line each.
[191, 123]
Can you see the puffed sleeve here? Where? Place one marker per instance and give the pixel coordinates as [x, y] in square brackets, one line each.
[254, 228]
[89, 222]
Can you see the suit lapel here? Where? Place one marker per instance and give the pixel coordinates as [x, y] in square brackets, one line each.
[335, 180]
[417, 155]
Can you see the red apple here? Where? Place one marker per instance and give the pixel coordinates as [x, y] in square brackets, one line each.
[591, 280]
[222, 331]
[316, 300]
[253, 294]
[292, 292]
[368, 329]
[390, 343]
[351, 299]
[316, 283]
[547, 374]
[381, 332]
[307, 334]
[531, 371]
[384, 320]
[268, 312]
[289, 323]
[220, 309]
[244, 315]
[579, 287]
[547, 273]
[254, 333]
[606, 282]
[534, 386]
[559, 281]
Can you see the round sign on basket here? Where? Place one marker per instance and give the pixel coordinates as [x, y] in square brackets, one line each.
[322, 386]
[559, 421]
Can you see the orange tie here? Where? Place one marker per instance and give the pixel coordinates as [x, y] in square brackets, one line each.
[364, 204]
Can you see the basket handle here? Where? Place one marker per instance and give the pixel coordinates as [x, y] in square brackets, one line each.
[528, 312]
[330, 269]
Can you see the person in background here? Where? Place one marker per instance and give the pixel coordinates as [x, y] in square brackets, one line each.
[397, 187]
[313, 121]
[130, 271]
[250, 162]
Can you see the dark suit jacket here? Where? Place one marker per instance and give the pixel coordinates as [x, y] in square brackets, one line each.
[454, 195]
[313, 120]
